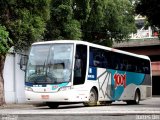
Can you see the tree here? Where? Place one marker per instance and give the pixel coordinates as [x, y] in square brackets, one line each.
[105, 21]
[5, 43]
[62, 25]
[98, 21]
[25, 21]
[150, 9]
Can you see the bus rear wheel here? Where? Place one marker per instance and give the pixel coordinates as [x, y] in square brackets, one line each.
[52, 105]
[93, 98]
[136, 99]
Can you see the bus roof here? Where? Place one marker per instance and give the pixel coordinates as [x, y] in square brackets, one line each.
[92, 45]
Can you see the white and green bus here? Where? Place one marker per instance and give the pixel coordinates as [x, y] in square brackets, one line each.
[70, 71]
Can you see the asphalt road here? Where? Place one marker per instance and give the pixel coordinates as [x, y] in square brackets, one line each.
[69, 117]
[147, 110]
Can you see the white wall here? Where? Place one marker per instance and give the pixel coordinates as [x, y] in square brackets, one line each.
[13, 79]
[8, 75]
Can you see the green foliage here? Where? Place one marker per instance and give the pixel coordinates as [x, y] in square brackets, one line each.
[105, 20]
[62, 25]
[5, 41]
[98, 21]
[25, 20]
[72, 30]
[120, 19]
[150, 9]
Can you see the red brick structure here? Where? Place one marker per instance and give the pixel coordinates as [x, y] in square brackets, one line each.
[156, 68]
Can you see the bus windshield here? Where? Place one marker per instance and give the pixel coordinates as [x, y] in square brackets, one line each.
[50, 64]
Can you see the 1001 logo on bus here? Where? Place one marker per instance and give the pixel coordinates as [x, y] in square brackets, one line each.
[119, 80]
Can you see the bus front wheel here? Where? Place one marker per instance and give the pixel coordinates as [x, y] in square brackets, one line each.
[93, 98]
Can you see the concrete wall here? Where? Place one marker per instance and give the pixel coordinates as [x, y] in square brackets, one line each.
[13, 79]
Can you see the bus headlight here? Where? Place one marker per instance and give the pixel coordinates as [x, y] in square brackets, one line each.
[28, 89]
[65, 88]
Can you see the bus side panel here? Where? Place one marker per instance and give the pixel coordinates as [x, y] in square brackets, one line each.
[145, 89]
[119, 85]
[104, 83]
[126, 83]
[102, 80]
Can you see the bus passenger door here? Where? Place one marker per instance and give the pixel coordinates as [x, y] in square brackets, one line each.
[80, 65]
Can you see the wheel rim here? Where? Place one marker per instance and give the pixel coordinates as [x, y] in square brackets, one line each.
[137, 98]
[92, 98]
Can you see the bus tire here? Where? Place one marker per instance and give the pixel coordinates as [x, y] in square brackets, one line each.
[136, 99]
[52, 105]
[93, 98]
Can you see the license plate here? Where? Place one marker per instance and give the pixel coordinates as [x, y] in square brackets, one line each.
[45, 97]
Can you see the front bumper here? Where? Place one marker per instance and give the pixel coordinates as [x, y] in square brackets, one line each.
[60, 96]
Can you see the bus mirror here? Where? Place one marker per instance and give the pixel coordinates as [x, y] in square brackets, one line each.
[23, 62]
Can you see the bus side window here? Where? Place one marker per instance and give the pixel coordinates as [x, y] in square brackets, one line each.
[97, 62]
[104, 60]
[95, 59]
[91, 63]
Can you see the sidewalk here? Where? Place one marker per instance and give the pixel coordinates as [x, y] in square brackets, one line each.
[16, 106]
[21, 105]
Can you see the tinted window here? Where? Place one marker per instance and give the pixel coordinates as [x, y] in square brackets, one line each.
[98, 58]
[80, 64]
[112, 60]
